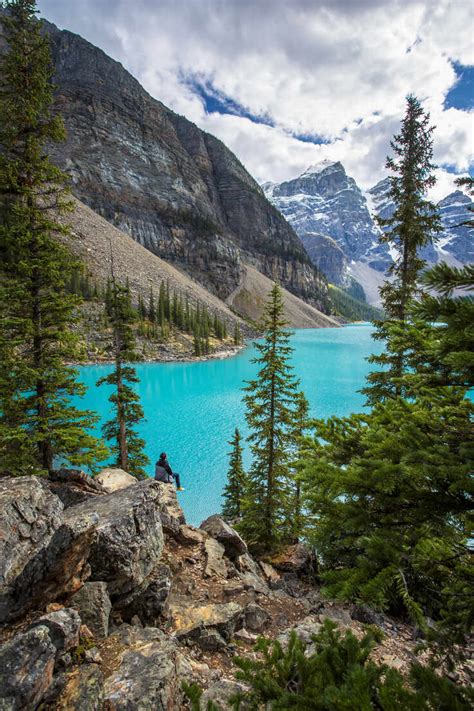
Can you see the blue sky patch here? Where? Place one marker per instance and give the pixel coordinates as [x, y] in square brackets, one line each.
[215, 101]
[309, 138]
[461, 96]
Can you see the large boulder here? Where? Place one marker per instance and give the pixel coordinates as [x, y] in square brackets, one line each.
[43, 555]
[26, 669]
[83, 690]
[129, 535]
[73, 486]
[215, 563]
[115, 479]
[255, 617]
[221, 692]
[93, 604]
[216, 527]
[193, 623]
[63, 626]
[171, 513]
[251, 574]
[149, 600]
[297, 559]
[149, 675]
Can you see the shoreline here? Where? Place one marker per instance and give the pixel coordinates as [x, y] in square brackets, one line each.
[223, 354]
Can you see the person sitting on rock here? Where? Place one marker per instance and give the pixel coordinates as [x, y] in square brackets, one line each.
[163, 472]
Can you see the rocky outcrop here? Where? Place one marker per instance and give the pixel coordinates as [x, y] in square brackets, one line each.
[43, 553]
[186, 620]
[217, 528]
[129, 535]
[177, 190]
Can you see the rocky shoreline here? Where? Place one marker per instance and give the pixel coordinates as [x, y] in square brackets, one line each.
[109, 600]
[172, 358]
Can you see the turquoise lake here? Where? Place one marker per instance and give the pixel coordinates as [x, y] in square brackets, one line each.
[192, 409]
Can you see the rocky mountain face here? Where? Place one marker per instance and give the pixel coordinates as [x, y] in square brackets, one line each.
[176, 190]
[324, 202]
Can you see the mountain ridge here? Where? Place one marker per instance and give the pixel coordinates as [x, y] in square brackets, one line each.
[326, 206]
[175, 189]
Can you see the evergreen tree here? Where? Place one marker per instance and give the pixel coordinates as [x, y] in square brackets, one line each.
[127, 446]
[237, 335]
[236, 481]
[299, 429]
[333, 672]
[38, 423]
[270, 402]
[412, 226]
[151, 306]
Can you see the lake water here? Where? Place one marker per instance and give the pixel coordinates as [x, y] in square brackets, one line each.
[192, 409]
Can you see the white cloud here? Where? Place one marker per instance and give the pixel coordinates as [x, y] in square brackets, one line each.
[338, 69]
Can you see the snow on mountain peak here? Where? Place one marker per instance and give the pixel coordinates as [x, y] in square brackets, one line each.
[317, 168]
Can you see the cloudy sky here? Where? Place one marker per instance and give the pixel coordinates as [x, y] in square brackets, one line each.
[287, 83]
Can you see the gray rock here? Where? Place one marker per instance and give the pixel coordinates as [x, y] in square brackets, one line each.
[216, 527]
[43, 555]
[221, 692]
[64, 626]
[192, 622]
[83, 690]
[368, 616]
[190, 536]
[271, 575]
[148, 601]
[305, 630]
[26, 669]
[129, 535]
[113, 479]
[211, 641]
[94, 606]
[171, 513]
[251, 574]
[215, 563]
[73, 486]
[255, 617]
[336, 614]
[297, 559]
[149, 674]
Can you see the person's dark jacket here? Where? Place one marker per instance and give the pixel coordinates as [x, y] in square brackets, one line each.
[163, 462]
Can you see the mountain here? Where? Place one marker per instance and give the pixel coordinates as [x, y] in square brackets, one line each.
[335, 221]
[91, 239]
[326, 202]
[175, 189]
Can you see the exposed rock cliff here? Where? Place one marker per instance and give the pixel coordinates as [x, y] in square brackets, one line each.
[177, 190]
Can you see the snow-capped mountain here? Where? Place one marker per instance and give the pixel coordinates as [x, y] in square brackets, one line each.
[328, 211]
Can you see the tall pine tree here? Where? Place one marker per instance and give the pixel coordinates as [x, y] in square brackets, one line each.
[271, 402]
[127, 446]
[236, 481]
[38, 423]
[411, 227]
